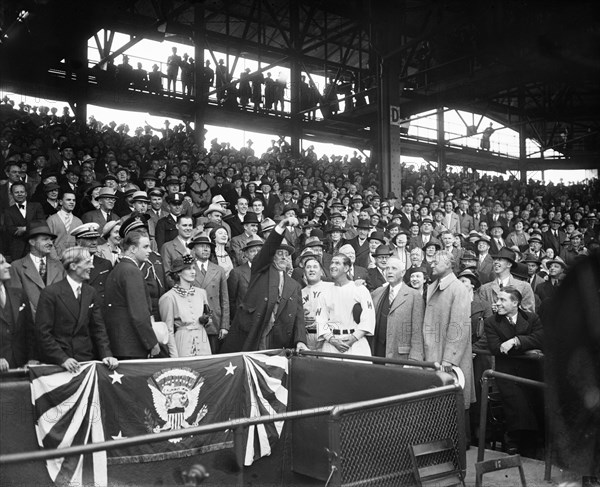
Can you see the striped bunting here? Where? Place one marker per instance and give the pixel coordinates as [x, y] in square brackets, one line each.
[67, 408]
[268, 394]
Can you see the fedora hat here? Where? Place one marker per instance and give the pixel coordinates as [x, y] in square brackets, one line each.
[267, 225]
[284, 245]
[251, 217]
[150, 175]
[335, 228]
[200, 239]
[377, 235]
[520, 270]
[172, 180]
[107, 193]
[530, 258]
[483, 238]
[382, 250]
[468, 255]
[313, 242]
[364, 223]
[214, 208]
[556, 260]
[254, 241]
[42, 229]
[290, 207]
[507, 254]
[218, 198]
[141, 196]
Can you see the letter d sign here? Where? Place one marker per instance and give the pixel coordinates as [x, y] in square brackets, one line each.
[394, 115]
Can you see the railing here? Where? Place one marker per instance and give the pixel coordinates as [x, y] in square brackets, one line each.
[487, 375]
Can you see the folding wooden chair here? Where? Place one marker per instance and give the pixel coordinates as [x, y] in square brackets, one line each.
[501, 463]
[436, 464]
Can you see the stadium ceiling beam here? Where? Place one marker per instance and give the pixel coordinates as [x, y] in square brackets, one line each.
[136, 39]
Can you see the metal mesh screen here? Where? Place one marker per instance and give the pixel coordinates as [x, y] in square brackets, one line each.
[374, 443]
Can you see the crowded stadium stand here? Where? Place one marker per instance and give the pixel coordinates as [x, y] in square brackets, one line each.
[176, 310]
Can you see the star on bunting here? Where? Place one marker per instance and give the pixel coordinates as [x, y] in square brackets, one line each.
[116, 377]
[119, 436]
[230, 369]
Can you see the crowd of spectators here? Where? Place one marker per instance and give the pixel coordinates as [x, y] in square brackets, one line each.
[70, 185]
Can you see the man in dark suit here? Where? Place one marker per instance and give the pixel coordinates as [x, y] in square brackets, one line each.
[406, 215]
[17, 343]
[269, 200]
[496, 215]
[512, 331]
[271, 315]
[236, 220]
[548, 289]
[356, 272]
[360, 243]
[239, 277]
[213, 279]
[238, 243]
[127, 306]
[497, 242]
[555, 237]
[106, 198]
[69, 325]
[86, 236]
[18, 218]
[166, 227]
[376, 275]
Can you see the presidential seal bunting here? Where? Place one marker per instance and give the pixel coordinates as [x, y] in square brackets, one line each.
[151, 396]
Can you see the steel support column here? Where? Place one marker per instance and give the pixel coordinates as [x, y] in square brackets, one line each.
[199, 101]
[441, 141]
[296, 117]
[522, 138]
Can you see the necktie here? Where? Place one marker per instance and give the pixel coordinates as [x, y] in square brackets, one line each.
[68, 220]
[501, 285]
[392, 295]
[202, 270]
[510, 320]
[78, 292]
[499, 243]
[2, 296]
[42, 270]
[351, 275]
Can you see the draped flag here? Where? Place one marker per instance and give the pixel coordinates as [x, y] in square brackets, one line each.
[151, 396]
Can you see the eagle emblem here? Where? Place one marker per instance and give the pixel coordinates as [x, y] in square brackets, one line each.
[175, 396]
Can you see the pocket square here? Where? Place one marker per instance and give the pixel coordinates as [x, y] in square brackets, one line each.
[22, 307]
[91, 305]
[103, 272]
